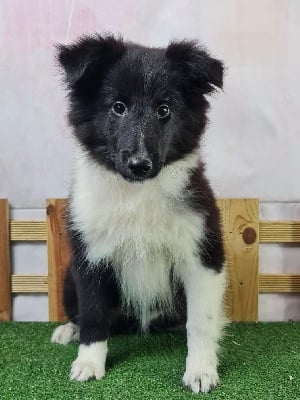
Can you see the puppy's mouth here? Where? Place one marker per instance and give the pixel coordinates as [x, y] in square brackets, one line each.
[132, 178]
[135, 179]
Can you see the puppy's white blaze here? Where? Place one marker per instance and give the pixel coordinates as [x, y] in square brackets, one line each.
[142, 228]
[90, 362]
[205, 321]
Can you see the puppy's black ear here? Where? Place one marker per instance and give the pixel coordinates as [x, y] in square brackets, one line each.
[195, 66]
[88, 54]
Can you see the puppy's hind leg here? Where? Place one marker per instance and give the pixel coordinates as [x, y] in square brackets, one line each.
[68, 332]
[64, 334]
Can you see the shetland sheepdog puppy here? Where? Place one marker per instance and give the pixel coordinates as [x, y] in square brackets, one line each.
[143, 223]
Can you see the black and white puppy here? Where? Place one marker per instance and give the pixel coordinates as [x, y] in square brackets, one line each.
[143, 222]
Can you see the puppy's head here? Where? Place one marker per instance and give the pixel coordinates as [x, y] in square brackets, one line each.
[136, 109]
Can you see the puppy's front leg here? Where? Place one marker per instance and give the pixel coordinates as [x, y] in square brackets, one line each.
[91, 285]
[204, 292]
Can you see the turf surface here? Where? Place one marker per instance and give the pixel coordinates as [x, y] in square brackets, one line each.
[258, 361]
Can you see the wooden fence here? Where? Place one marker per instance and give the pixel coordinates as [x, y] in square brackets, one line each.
[242, 229]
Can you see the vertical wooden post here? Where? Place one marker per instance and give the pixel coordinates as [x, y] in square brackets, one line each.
[241, 237]
[5, 299]
[58, 256]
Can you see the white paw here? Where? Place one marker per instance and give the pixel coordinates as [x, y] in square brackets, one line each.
[85, 370]
[90, 362]
[65, 334]
[202, 379]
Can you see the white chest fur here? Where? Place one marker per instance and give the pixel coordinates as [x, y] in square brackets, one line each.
[143, 229]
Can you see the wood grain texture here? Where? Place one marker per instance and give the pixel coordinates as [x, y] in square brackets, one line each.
[268, 283]
[242, 258]
[5, 298]
[279, 283]
[58, 256]
[29, 283]
[28, 230]
[269, 231]
[279, 231]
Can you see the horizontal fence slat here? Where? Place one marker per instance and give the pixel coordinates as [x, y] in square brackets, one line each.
[27, 230]
[269, 231]
[279, 283]
[29, 283]
[268, 283]
[279, 231]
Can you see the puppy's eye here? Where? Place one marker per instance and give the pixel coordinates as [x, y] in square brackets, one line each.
[119, 108]
[163, 111]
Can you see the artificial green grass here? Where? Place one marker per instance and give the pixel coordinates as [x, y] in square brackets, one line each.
[258, 361]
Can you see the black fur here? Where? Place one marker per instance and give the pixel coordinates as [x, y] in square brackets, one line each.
[102, 70]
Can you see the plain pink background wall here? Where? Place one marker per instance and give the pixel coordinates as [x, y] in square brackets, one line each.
[252, 144]
[255, 123]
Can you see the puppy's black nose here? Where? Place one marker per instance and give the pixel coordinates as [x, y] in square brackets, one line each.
[139, 166]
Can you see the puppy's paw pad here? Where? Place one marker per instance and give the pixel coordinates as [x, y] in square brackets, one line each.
[86, 370]
[65, 334]
[201, 380]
